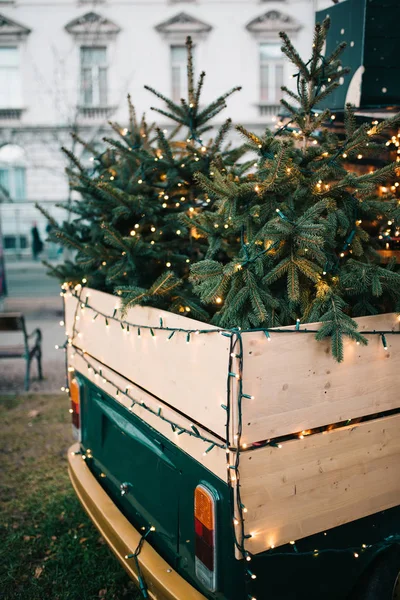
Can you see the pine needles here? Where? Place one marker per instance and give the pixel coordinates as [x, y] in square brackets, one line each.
[257, 235]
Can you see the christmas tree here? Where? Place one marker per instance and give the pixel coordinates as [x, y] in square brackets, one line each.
[126, 232]
[287, 242]
[278, 239]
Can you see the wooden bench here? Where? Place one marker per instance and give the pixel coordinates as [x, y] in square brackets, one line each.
[14, 322]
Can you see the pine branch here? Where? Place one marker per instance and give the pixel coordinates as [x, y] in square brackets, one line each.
[190, 74]
[175, 109]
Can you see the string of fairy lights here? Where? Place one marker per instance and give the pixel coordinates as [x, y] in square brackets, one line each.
[176, 197]
[120, 392]
[236, 395]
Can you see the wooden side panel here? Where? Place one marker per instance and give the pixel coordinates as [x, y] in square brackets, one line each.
[11, 322]
[297, 384]
[320, 482]
[215, 460]
[191, 377]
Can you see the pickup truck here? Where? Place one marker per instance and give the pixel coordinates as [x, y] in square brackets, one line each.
[200, 482]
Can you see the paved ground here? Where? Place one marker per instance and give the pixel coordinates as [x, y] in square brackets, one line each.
[37, 296]
[12, 371]
[28, 279]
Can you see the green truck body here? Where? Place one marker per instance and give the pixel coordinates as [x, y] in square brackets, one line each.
[158, 483]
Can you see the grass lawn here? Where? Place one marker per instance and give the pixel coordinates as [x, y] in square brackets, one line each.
[48, 546]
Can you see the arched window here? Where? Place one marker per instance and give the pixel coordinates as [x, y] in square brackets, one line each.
[12, 173]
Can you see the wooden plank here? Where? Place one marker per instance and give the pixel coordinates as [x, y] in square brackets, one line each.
[297, 384]
[320, 482]
[11, 322]
[215, 460]
[192, 377]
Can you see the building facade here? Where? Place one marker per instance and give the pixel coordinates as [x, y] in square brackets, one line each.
[69, 64]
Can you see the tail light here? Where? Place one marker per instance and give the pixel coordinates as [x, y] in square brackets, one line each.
[205, 537]
[74, 393]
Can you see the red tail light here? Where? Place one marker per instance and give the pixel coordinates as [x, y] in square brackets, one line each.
[205, 530]
[74, 393]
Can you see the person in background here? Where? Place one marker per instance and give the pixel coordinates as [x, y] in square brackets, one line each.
[37, 244]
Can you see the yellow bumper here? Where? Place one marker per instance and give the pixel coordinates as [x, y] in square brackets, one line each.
[162, 581]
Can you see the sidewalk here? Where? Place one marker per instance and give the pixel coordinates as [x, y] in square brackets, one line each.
[12, 371]
[32, 292]
[38, 307]
[28, 263]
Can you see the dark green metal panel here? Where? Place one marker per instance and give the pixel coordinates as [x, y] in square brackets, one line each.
[371, 30]
[330, 575]
[382, 67]
[164, 478]
[347, 25]
[125, 455]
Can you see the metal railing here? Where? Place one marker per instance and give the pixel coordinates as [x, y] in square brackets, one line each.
[270, 110]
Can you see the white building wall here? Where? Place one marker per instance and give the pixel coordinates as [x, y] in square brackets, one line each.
[138, 55]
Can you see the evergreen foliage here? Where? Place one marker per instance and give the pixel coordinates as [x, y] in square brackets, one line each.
[274, 239]
[126, 233]
[288, 241]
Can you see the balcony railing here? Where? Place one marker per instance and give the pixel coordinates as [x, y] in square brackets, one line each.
[269, 110]
[95, 112]
[10, 114]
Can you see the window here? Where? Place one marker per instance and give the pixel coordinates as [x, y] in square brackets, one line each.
[12, 173]
[12, 182]
[179, 72]
[94, 76]
[12, 242]
[10, 77]
[271, 73]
